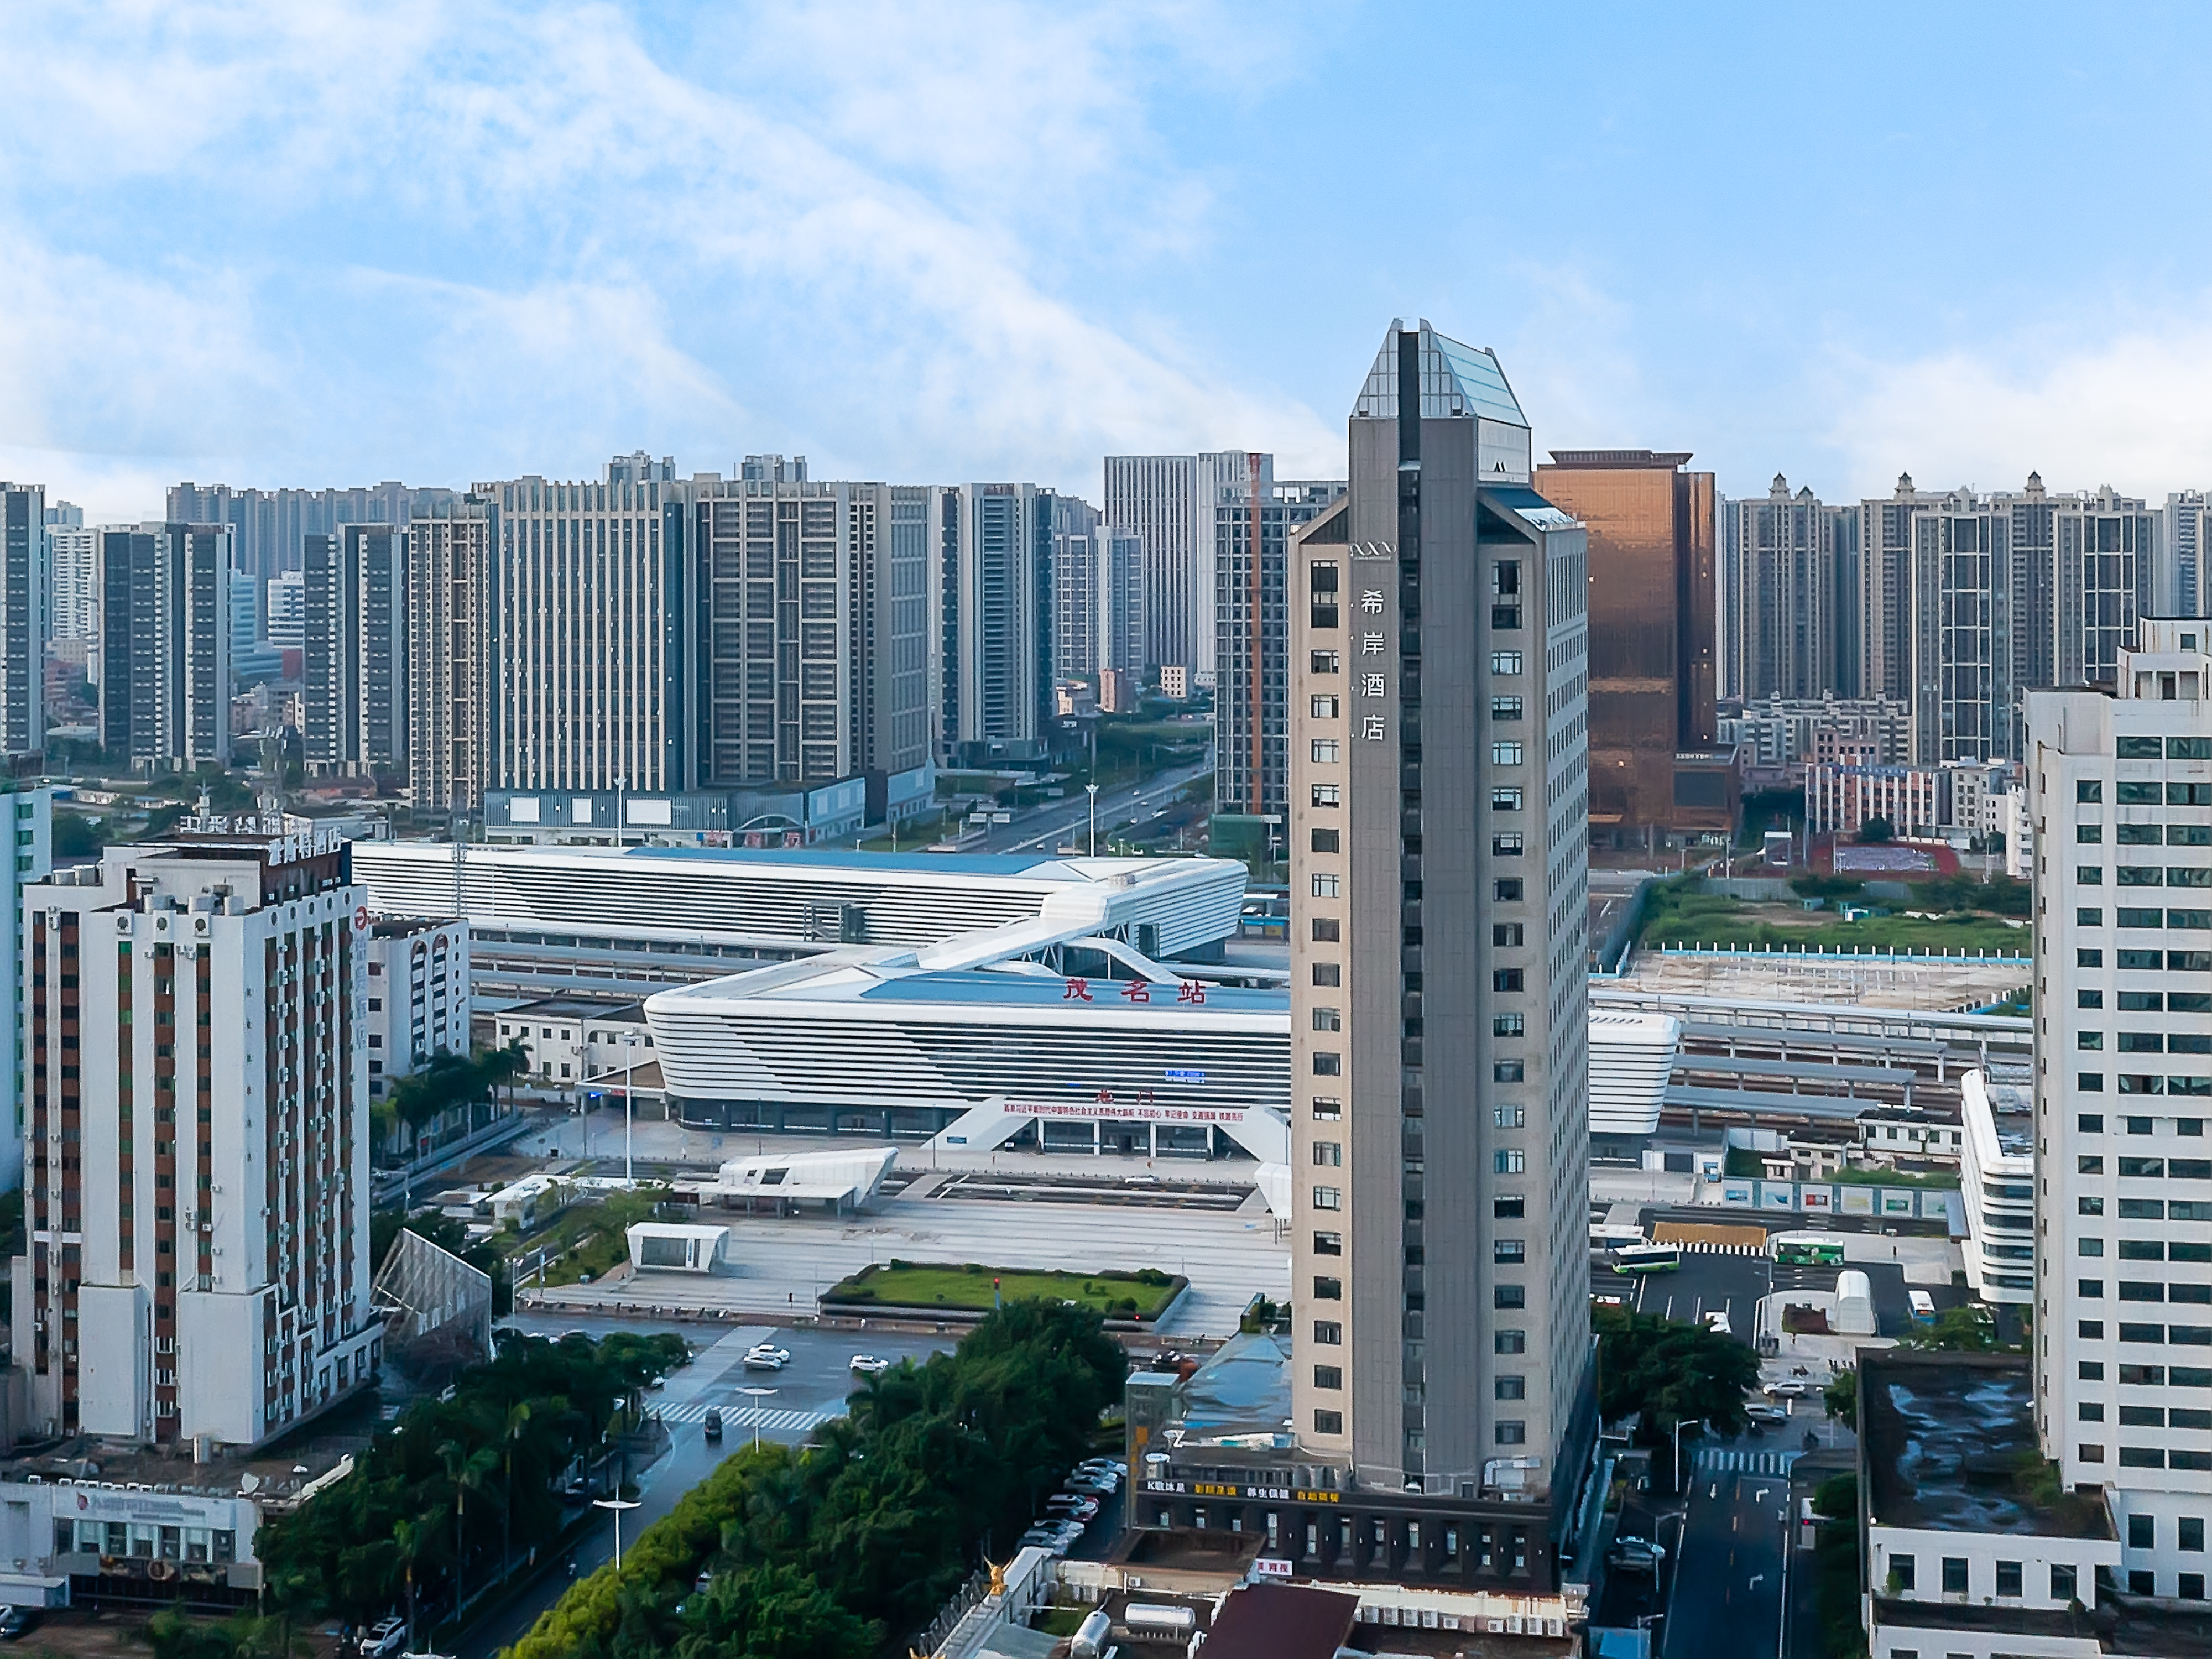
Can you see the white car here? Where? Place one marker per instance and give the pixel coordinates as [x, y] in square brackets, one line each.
[868, 1364]
[766, 1359]
[1718, 1322]
[1789, 1391]
[1765, 1413]
[383, 1638]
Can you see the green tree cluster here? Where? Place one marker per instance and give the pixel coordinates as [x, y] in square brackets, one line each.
[460, 1485]
[2003, 896]
[450, 1080]
[820, 1553]
[1670, 1372]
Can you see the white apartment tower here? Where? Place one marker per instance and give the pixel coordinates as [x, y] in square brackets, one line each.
[73, 552]
[813, 623]
[353, 634]
[1168, 501]
[451, 579]
[588, 638]
[1443, 1353]
[196, 1169]
[2120, 794]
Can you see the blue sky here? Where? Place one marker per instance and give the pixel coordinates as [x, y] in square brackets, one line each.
[331, 243]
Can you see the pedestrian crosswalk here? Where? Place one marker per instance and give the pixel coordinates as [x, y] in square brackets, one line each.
[749, 1418]
[1700, 1246]
[1714, 1460]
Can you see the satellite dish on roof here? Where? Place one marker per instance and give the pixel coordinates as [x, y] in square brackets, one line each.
[249, 1481]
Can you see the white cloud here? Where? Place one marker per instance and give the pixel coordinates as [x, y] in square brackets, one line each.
[842, 228]
[2130, 410]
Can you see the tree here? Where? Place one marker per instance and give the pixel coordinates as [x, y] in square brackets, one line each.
[773, 1611]
[76, 836]
[1670, 1372]
[1841, 1397]
[1876, 830]
[1969, 1329]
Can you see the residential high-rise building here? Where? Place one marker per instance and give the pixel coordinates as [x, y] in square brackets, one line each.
[1098, 593]
[992, 670]
[813, 625]
[1168, 500]
[2120, 795]
[25, 592]
[588, 645]
[197, 1176]
[353, 644]
[1975, 599]
[1651, 526]
[1442, 1354]
[29, 813]
[2182, 587]
[1788, 597]
[73, 566]
[1251, 534]
[1075, 588]
[287, 611]
[269, 526]
[242, 612]
[451, 599]
[165, 643]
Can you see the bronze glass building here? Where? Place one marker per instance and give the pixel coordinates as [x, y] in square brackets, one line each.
[1654, 768]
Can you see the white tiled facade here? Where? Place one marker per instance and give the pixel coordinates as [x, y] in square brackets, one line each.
[196, 1169]
[418, 997]
[2121, 795]
[1998, 1173]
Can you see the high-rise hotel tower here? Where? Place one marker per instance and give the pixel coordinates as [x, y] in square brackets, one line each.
[1443, 1350]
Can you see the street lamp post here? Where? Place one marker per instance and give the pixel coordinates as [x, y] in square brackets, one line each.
[1091, 790]
[618, 1505]
[757, 1394]
[630, 1062]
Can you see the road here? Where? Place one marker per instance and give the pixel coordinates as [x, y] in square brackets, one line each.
[1727, 1589]
[1067, 822]
[812, 1387]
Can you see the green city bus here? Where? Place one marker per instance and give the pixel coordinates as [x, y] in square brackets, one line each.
[1807, 1250]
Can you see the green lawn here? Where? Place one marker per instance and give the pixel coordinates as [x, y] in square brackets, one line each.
[1672, 917]
[925, 1284]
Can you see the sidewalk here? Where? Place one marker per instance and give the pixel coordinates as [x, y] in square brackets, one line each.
[1802, 1637]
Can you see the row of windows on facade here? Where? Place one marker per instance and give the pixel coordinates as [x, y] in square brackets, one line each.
[2010, 1578]
[1509, 1160]
[2179, 920]
[1504, 1549]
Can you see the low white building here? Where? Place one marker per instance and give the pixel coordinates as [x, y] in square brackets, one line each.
[572, 1039]
[1997, 1178]
[418, 997]
[1969, 1554]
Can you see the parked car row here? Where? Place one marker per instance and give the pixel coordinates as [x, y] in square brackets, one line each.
[1069, 1511]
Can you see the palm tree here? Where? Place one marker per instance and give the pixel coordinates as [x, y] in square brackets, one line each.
[466, 1469]
[518, 1418]
[411, 1537]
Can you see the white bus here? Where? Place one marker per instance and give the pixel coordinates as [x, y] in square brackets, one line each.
[1604, 1237]
[1645, 1258]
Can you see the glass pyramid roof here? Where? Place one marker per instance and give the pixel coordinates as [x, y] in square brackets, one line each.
[1457, 380]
